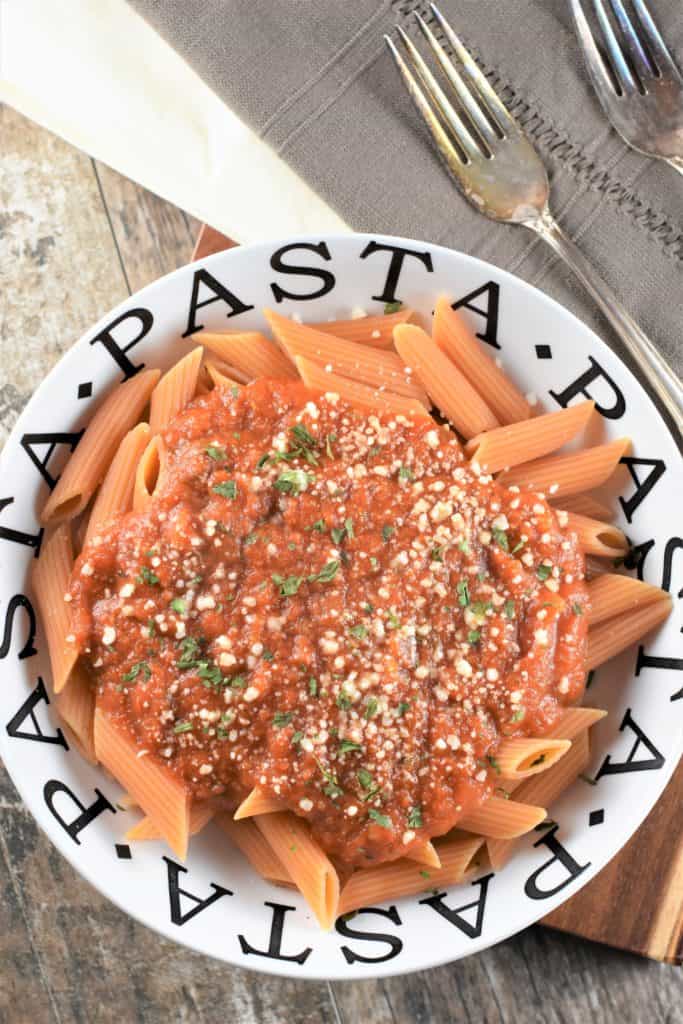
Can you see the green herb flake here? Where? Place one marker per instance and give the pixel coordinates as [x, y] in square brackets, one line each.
[464, 546]
[297, 738]
[320, 526]
[343, 701]
[373, 562]
[250, 539]
[182, 727]
[436, 554]
[216, 453]
[359, 631]
[327, 573]
[303, 436]
[282, 718]
[509, 609]
[287, 585]
[463, 593]
[415, 818]
[147, 576]
[371, 708]
[501, 538]
[379, 818]
[140, 667]
[313, 687]
[365, 778]
[494, 764]
[424, 873]
[178, 605]
[474, 636]
[293, 481]
[348, 747]
[228, 489]
[406, 473]
[518, 547]
[387, 533]
[543, 572]
[518, 715]
[577, 608]
[267, 655]
[402, 708]
[348, 526]
[393, 621]
[392, 307]
[481, 607]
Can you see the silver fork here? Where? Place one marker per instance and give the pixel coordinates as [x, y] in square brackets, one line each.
[643, 94]
[500, 173]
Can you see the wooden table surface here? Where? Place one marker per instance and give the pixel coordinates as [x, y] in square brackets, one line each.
[75, 239]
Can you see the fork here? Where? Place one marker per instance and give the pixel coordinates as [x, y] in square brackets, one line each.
[640, 87]
[492, 161]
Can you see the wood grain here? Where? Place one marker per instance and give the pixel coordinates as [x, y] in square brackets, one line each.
[66, 954]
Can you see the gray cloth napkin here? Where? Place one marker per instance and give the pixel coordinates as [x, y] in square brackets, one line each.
[314, 79]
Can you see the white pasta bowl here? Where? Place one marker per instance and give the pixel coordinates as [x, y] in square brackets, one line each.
[215, 903]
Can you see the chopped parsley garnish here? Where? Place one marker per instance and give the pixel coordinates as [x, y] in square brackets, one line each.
[464, 546]
[147, 576]
[509, 609]
[237, 682]
[313, 687]
[189, 648]
[250, 538]
[329, 441]
[151, 627]
[381, 819]
[577, 608]
[210, 675]
[303, 436]
[373, 562]
[387, 532]
[392, 307]
[402, 708]
[287, 585]
[367, 607]
[327, 573]
[263, 461]
[501, 538]
[282, 718]
[293, 481]
[178, 605]
[320, 526]
[518, 547]
[348, 746]
[267, 655]
[424, 873]
[544, 571]
[332, 789]
[343, 701]
[135, 670]
[339, 532]
[359, 631]
[393, 621]
[371, 708]
[463, 593]
[436, 554]
[494, 764]
[297, 738]
[474, 636]
[481, 607]
[216, 453]
[406, 473]
[228, 489]
[182, 727]
[365, 778]
[518, 715]
[415, 818]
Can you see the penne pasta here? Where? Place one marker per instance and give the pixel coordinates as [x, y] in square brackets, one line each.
[257, 802]
[520, 757]
[347, 358]
[424, 853]
[376, 331]
[150, 473]
[371, 886]
[597, 538]
[310, 868]
[315, 377]
[175, 389]
[246, 836]
[157, 791]
[595, 567]
[612, 595]
[569, 474]
[574, 721]
[86, 468]
[452, 393]
[521, 442]
[50, 578]
[584, 505]
[454, 337]
[250, 352]
[76, 707]
[543, 789]
[611, 637]
[218, 379]
[115, 496]
[502, 819]
[201, 813]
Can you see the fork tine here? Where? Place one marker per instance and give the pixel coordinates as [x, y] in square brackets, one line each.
[496, 107]
[618, 61]
[596, 65]
[446, 109]
[462, 91]
[632, 42]
[443, 142]
[659, 51]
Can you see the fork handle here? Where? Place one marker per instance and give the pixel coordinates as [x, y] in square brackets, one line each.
[661, 377]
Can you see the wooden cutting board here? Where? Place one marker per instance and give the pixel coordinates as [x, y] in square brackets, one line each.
[636, 902]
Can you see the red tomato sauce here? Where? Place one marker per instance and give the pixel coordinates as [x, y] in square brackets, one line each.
[336, 608]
